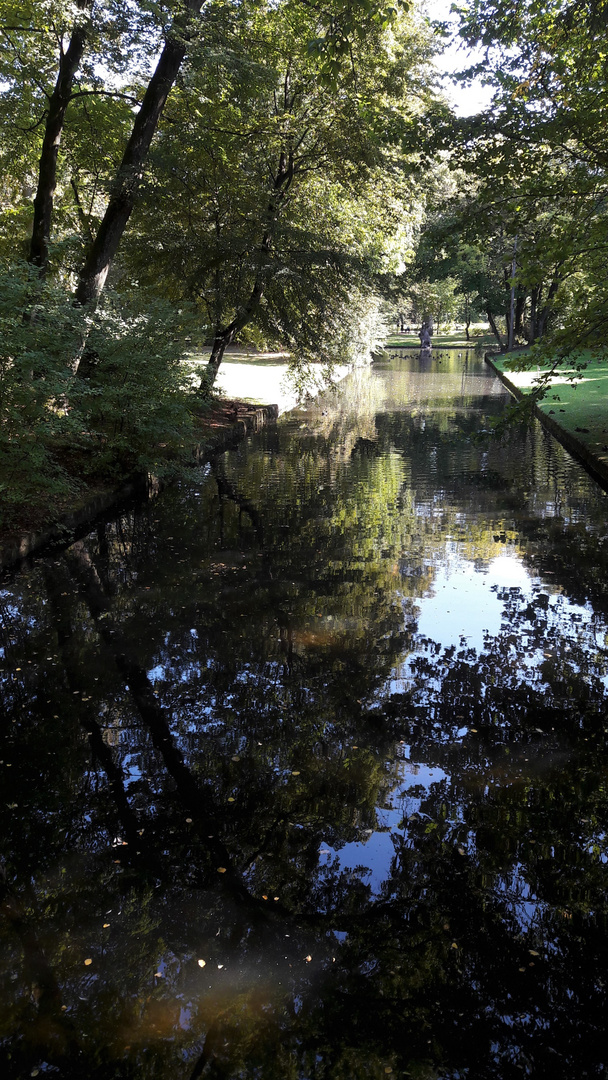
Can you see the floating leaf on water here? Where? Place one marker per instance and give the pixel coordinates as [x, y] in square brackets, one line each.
[231, 799]
[275, 898]
[235, 757]
[454, 945]
[308, 958]
[219, 967]
[296, 772]
[221, 869]
[461, 851]
[521, 969]
[88, 961]
[201, 963]
[159, 974]
[105, 925]
[533, 952]
[188, 821]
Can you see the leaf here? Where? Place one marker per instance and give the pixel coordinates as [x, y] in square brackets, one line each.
[221, 869]
[201, 963]
[88, 961]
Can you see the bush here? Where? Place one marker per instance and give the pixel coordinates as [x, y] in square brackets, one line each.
[58, 430]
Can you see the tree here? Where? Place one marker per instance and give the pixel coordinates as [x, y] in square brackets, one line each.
[277, 194]
[541, 151]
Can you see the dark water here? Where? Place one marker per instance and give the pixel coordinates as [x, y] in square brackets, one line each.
[305, 763]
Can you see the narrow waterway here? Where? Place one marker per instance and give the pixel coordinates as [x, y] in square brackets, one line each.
[304, 763]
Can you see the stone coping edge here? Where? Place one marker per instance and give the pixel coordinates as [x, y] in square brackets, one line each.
[574, 446]
[141, 486]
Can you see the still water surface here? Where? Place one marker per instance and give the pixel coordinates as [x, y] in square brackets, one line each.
[305, 763]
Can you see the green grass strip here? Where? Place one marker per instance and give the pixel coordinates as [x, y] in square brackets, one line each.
[576, 400]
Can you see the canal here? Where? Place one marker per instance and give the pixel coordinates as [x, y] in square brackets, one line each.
[304, 763]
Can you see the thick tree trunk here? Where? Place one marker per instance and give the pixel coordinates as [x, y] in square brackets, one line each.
[69, 62]
[124, 192]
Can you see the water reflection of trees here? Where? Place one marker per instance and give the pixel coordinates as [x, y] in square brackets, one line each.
[196, 705]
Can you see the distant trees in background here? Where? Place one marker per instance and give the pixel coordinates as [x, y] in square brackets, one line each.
[523, 225]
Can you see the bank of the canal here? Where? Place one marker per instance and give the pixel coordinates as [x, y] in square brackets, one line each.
[574, 406]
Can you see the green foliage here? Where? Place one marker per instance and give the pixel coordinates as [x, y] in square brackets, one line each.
[135, 406]
[538, 159]
[57, 430]
[274, 200]
[38, 333]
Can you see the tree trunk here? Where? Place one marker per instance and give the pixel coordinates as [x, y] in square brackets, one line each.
[124, 192]
[544, 313]
[520, 305]
[223, 338]
[534, 298]
[69, 62]
[494, 328]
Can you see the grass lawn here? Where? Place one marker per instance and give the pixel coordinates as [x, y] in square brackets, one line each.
[447, 341]
[579, 405]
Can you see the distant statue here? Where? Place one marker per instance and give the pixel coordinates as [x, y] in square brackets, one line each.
[425, 336]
